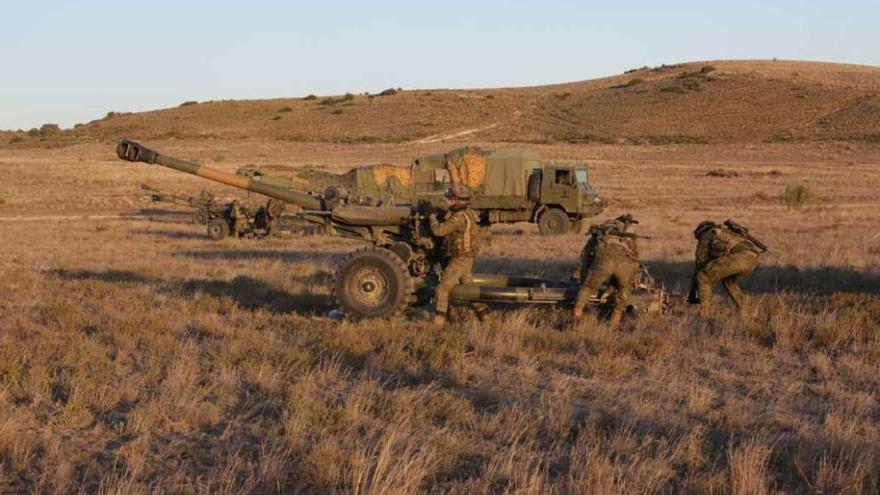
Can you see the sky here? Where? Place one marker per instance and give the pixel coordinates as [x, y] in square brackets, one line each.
[71, 61]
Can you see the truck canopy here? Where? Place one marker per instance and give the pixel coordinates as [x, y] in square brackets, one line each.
[506, 171]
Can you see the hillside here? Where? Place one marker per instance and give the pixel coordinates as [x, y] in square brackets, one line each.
[703, 102]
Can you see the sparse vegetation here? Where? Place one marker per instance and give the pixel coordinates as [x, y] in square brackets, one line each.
[285, 110]
[196, 367]
[797, 196]
[388, 92]
[720, 172]
[189, 103]
[49, 129]
[310, 97]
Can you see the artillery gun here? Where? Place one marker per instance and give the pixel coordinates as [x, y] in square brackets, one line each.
[400, 266]
[206, 205]
[224, 219]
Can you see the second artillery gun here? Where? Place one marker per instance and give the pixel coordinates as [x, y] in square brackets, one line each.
[206, 205]
[399, 267]
[225, 218]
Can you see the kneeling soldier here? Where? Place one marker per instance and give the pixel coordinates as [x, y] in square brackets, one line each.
[459, 228]
[725, 253]
[610, 256]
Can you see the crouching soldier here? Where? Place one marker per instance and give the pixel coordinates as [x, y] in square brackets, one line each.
[725, 253]
[459, 228]
[610, 256]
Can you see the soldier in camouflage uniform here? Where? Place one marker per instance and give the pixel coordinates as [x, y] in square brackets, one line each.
[608, 257]
[459, 229]
[239, 218]
[723, 255]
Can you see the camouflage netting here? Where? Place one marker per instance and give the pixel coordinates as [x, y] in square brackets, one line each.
[383, 173]
[373, 181]
[467, 166]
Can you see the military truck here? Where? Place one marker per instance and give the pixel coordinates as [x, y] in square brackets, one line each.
[514, 186]
[509, 185]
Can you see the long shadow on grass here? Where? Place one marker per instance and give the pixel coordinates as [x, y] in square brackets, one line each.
[768, 278]
[165, 216]
[245, 291]
[301, 256]
[172, 234]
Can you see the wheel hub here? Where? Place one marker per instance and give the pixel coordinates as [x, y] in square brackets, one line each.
[370, 287]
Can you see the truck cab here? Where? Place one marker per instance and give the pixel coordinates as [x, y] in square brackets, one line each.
[565, 198]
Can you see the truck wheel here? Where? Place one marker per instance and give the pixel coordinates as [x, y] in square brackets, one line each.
[373, 283]
[218, 229]
[553, 222]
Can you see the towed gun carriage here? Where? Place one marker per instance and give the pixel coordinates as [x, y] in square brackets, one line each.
[224, 218]
[398, 268]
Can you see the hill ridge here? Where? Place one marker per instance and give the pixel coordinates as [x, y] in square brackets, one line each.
[697, 102]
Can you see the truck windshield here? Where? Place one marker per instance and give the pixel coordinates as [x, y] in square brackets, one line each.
[581, 174]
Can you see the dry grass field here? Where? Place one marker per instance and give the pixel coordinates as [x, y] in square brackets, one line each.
[136, 356]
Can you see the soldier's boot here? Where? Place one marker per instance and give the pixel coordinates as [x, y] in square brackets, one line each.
[704, 290]
[439, 320]
[736, 295]
[481, 310]
[616, 318]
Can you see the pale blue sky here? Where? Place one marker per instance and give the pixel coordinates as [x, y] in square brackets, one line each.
[73, 61]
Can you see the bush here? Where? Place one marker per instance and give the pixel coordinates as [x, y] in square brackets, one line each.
[49, 129]
[707, 69]
[634, 82]
[797, 195]
[310, 97]
[388, 92]
[277, 117]
[188, 103]
[16, 139]
[285, 110]
[720, 172]
[348, 97]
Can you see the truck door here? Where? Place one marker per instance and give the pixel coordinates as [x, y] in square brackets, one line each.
[560, 187]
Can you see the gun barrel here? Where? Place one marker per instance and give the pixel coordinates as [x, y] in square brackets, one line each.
[135, 152]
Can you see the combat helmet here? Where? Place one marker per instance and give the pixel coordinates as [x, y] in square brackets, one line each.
[627, 219]
[703, 227]
[458, 191]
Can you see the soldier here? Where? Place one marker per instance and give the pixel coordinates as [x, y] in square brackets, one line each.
[239, 219]
[725, 253]
[611, 255]
[459, 228]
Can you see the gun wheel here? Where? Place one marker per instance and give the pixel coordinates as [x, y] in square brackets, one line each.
[218, 229]
[553, 222]
[201, 217]
[373, 283]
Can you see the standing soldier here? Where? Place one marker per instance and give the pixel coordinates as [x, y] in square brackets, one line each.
[459, 228]
[725, 253]
[239, 219]
[610, 256]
